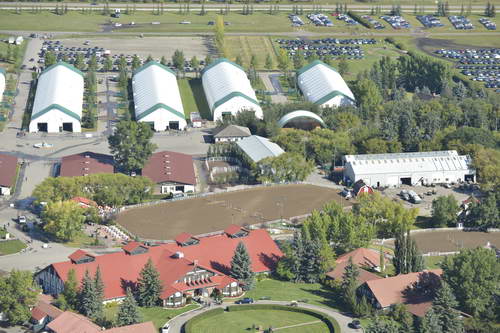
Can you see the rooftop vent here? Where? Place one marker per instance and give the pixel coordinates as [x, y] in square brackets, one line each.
[179, 254]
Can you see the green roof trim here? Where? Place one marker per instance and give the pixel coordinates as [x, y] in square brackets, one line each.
[233, 95]
[159, 106]
[331, 95]
[311, 65]
[3, 71]
[57, 107]
[65, 64]
[218, 61]
[153, 63]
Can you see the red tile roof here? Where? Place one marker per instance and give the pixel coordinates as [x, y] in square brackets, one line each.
[43, 309]
[78, 254]
[214, 252]
[184, 237]
[390, 290]
[233, 229]
[84, 201]
[8, 168]
[146, 327]
[86, 163]
[361, 257]
[364, 275]
[131, 246]
[169, 166]
[70, 322]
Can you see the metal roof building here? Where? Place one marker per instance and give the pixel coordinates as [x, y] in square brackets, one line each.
[3, 79]
[228, 90]
[157, 98]
[58, 100]
[323, 85]
[258, 148]
[408, 168]
[301, 119]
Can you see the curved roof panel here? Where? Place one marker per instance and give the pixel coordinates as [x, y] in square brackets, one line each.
[300, 114]
[320, 83]
[224, 80]
[60, 87]
[155, 86]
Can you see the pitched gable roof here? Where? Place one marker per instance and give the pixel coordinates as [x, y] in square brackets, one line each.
[146, 327]
[131, 246]
[70, 322]
[338, 272]
[86, 163]
[232, 131]
[361, 257]
[79, 254]
[258, 148]
[43, 309]
[169, 166]
[8, 170]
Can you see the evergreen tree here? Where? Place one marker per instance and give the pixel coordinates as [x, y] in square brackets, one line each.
[349, 285]
[149, 285]
[241, 267]
[444, 306]
[86, 296]
[128, 313]
[98, 295]
[382, 260]
[430, 323]
[70, 292]
[297, 251]
[407, 257]
[269, 62]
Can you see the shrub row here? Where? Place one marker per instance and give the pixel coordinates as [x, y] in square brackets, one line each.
[188, 327]
[332, 324]
[361, 20]
[398, 45]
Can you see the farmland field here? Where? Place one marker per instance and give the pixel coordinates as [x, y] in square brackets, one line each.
[216, 212]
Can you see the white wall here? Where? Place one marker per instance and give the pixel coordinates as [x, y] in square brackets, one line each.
[236, 105]
[170, 188]
[2, 85]
[4, 190]
[161, 119]
[55, 119]
[338, 101]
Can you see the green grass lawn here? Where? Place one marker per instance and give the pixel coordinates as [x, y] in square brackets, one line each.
[433, 262]
[82, 240]
[11, 246]
[158, 315]
[187, 96]
[242, 321]
[314, 293]
[245, 46]
[193, 98]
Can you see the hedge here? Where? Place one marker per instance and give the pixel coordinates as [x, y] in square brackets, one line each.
[361, 20]
[188, 327]
[332, 324]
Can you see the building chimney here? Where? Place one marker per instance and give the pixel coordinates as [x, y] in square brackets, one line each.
[195, 262]
[179, 254]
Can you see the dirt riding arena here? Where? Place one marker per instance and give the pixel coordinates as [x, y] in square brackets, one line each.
[449, 241]
[216, 212]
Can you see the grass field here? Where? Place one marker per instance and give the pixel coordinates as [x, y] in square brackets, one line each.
[11, 246]
[242, 321]
[433, 262]
[82, 240]
[187, 96]
[216, 212]
[245, 46]
[158, 315]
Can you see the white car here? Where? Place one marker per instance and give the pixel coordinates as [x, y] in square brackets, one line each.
[21, 219]
[43, 145]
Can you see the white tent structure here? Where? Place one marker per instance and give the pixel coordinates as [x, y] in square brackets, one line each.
[58, 100]
[301, 119]
[228, 90]
[434, 167]
[3, 79]
[323, 85]
[157, 98]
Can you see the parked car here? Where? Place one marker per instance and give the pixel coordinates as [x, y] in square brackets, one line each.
[356, 324]
[21, 219]
[246, 300]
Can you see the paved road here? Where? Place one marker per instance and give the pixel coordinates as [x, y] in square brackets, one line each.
[176, 325]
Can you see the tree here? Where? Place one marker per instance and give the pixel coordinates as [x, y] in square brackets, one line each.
[149, 58]
[406, 258]
[163, 61]
[80, 61]
[149, 285]
[130, 145]
[299, 60]
[18, 294]
[287, 167]
[444, 211]
[219, 35]
[49, 59]
[349, 285]
[128, 312]
[283, 61]
[98, 313]
[241, 267]
[430, 323]
[195, 64]
[108, 64]
[254, 62]
[63, 219]
[380, 325]
[343, 66]
[485, 214]
[178, 60]
[239, 60]
[400, 314]
[269, 62]
[473, 275]
[70, 291]
[136, 62]
[86, 296]
[443, 313]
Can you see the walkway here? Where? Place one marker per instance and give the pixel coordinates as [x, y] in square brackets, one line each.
[177, 323]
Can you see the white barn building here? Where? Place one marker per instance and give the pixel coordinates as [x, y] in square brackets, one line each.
[228, 90]
[434, 167]
[157, 98]
[3, 80]
[323, 85]
[58, 100]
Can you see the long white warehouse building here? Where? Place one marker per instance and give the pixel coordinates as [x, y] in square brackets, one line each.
[323, 85]
[228, 90]
[3, 80]
[434, 167]
[58, 100]
[157, 98]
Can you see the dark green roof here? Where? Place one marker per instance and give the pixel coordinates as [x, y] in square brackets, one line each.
[311, 65]
[151, 63]
[233, 95]
[58, 107]
[218, 61]
[159, 106]
[331, 95]
[65, 64]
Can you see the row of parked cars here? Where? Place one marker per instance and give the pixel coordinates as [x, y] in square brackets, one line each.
[488, 24]
[430, 21]
[396, 21]
[347, 19]
[296, 20]
[373, 22]
[320, 20]
[303, 42]
[460, 22]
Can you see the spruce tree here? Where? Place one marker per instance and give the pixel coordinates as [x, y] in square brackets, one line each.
[241, 267]
[443, 306]
[296, 260]
[430, 323]
[98, 295]
[70, 292]
[149, 285]
[349, 285]
[407, 257]
[128, 313]
[86, 296]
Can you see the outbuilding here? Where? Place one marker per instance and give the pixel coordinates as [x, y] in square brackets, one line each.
[228, 90]
[58, 100]
[257, 148]
[301, 119]
[8, 173]
[3, 80]
[86, 163]
[231, 133]
[157, 98]
[323, 85]
[421, 168]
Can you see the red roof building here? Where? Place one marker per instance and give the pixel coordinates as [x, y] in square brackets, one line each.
[173, 172]
[86, 163]
[362, 257]
[8, 171]
[84, 202]
[364, 275]
[184, 268]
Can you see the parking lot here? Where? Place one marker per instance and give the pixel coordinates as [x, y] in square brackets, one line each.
[430, 21]
[461, 22]
[350, 48]
[397, 22]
